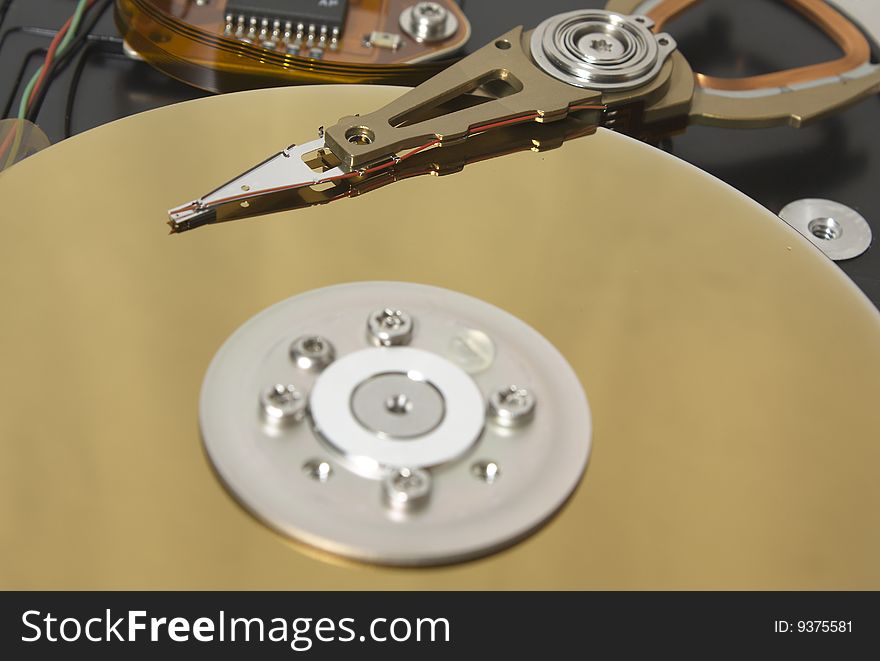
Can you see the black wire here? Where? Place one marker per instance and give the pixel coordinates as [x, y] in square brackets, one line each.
[73, 86]
[41, 54]
[58, 63]
[3, 10]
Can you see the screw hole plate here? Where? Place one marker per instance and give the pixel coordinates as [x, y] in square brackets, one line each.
[834, 228]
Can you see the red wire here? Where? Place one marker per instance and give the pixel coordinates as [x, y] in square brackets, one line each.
[50, 55]
[6, 143]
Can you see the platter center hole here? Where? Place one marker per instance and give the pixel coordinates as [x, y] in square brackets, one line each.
[399, 404]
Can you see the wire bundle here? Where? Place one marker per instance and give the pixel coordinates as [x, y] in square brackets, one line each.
[65, 42]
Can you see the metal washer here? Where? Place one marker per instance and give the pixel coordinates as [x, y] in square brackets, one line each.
[834, 228]
[301, 486]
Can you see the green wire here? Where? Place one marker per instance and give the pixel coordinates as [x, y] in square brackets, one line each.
[71, 33]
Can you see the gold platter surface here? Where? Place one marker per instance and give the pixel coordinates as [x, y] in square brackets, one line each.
[732, 370]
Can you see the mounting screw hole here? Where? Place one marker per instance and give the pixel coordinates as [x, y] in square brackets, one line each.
[503, 44]
[360, 135]
[826, 229]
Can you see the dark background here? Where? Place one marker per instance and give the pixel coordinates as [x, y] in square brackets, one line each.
[837, 158]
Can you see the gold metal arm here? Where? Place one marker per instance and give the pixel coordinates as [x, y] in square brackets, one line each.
[494, 84]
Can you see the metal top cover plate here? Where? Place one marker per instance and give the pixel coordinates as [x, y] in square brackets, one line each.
[500, 484]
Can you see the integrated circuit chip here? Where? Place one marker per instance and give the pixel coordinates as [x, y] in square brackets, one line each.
[319, 13]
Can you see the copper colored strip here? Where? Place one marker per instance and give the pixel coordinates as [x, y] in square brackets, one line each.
[846, 35]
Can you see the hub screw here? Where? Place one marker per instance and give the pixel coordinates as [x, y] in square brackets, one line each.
[486, 471]
[429, 12]
[428, 22]
[282, 404]
[318, 470]
[390, 327]
[406, 488]
[512, 406]
[312, 353]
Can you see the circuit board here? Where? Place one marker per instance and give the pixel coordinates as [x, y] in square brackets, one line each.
[347, 31]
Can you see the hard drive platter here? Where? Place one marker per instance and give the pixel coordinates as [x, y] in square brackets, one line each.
[731, 369]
